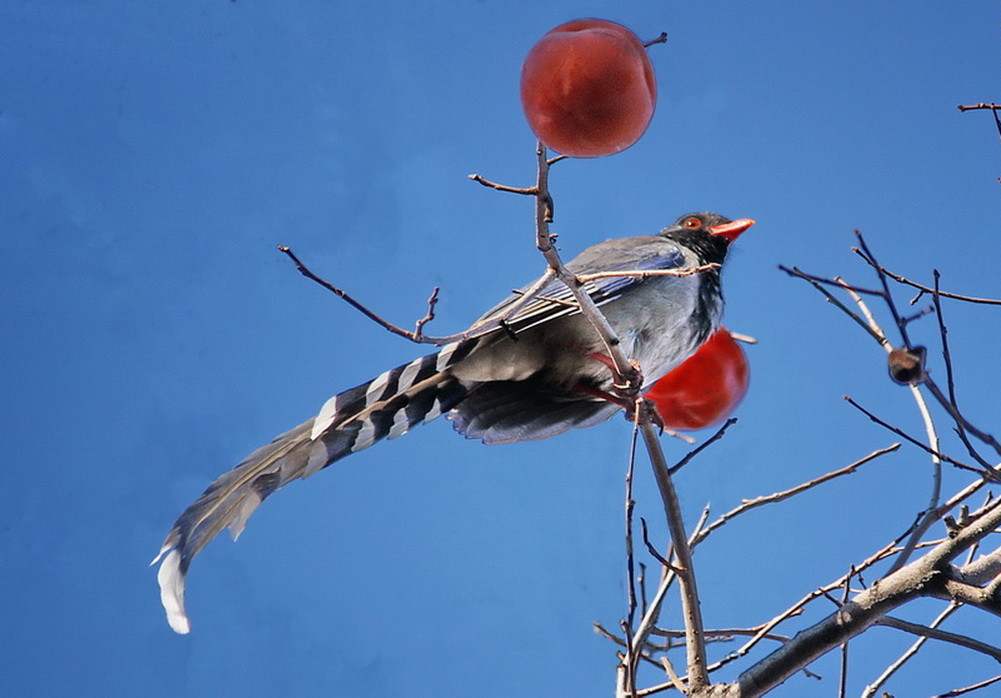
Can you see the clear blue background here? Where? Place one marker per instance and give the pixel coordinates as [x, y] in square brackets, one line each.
[153, 154]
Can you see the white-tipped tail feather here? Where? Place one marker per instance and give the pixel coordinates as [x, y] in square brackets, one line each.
[171, 582]
[529, 372]
[388, 406]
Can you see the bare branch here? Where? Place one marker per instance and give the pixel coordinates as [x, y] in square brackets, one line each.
[953, 606]
[799, 273]
[749, 504]
[936, 634]
[981, 105]
[928, 517]
[864, 252]
[698, 676]
[969, 689]
[653, 550]
[688, 271]
[668, 575]
[722, 633]
[935, 292]
[673, 675]
[703, 446]
[528, 191]
[843, 673]
[982, 570]
[923, 577]
[993, 109]
[893, 668]
[817, 282]
[631, 660]
[625, 373]
[900, 432]
[415, 336]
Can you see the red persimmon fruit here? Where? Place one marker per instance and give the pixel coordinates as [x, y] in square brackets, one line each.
[706, 387]
[588, 88]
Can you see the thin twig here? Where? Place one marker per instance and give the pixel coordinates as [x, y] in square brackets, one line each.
[817, 282]
[993, 109]
[642, 575]
[749, 504]
[624, 372]
[797, 272]
[843, 673]
[668, 575]
[685, 271]
[415, 336]
[870, 320]
[926, 520]
[900, 432]
[953, 406]
[866, 253]
[925, 289]
[958, 416]
[483, 326]
[429, 316]
[703, 446]
[653, 550]
[937, 634]
[673, 675]
[722, 633]
[528, 191]
[981, 105]
[969, 689]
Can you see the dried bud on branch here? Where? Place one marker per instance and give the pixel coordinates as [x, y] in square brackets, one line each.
[907, 365]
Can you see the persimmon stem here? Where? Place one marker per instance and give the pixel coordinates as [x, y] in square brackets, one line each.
[662, 39]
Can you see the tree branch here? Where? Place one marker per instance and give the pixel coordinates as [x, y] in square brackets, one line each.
[749, 504]
[893, 668]
[923, 577]
[936, 634]
[698, 677]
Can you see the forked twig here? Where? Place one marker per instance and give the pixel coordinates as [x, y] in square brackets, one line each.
[928, 517]
[937, 634]
[414, 336]
[911, 651]
[749, 504]
[934, 292]
[901, 433]
[969, 689]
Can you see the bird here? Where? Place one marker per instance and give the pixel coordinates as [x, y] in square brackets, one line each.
[535, 370]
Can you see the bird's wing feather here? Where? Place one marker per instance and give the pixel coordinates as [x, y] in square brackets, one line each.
[555, 300]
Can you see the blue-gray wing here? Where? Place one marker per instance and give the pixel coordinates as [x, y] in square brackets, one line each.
[554, 300]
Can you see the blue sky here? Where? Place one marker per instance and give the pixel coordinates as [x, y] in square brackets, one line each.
[153, 154]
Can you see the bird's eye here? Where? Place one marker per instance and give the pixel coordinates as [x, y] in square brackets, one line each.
[692, 223]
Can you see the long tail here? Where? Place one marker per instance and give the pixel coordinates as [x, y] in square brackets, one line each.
[387, 406]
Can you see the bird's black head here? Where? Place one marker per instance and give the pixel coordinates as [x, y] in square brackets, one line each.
[709, 234]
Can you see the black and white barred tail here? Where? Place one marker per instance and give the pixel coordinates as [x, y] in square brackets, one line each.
[385, 407]
[532, 375]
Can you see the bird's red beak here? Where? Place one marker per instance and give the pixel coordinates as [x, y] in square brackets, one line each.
[732, 230]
